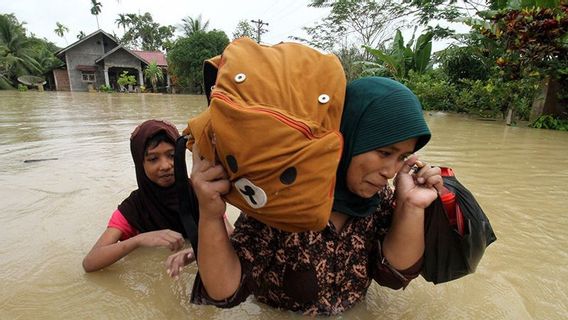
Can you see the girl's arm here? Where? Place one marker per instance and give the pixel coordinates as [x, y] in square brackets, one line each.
[108, 249]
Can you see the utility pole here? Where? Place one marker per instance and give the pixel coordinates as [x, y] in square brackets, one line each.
[259, 30]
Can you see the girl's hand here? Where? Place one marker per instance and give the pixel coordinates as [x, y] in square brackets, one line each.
[161, 238]
[210, 183]
[417, 186]
[175, 262]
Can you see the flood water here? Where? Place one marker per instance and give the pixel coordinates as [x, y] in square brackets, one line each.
[52, 212]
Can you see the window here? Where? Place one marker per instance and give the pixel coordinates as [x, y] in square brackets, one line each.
[88, 76]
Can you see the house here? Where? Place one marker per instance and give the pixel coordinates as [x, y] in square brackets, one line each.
[98, 59]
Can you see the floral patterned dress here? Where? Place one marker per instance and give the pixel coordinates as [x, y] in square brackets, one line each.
[316, 273]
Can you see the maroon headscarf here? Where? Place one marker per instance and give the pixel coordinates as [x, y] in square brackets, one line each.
[151, 207]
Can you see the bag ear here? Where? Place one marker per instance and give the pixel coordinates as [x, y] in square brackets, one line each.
[210, 69]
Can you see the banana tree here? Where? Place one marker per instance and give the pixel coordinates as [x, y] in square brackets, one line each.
[154, 73]
[401, 58]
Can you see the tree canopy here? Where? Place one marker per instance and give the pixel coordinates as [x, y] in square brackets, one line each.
[22, 55]
[187, 54]
[145, 34]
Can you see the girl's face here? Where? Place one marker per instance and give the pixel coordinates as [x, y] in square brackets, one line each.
[159, 164]
[369, 172]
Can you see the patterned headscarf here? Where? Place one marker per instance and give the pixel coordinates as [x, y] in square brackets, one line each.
[378, 112]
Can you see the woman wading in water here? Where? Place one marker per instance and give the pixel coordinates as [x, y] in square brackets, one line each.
[374, 233]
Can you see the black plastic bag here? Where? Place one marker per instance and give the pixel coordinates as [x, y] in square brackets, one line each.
[449, 255]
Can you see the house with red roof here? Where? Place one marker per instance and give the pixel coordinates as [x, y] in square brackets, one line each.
[98, 59]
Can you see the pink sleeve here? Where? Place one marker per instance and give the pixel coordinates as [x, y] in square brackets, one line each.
[118, 221]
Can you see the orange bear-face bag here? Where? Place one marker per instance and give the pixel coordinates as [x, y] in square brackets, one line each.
[275, 113]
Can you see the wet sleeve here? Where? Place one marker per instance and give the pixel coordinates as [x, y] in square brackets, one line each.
[118, 221]
[254, 243]
[385, 274]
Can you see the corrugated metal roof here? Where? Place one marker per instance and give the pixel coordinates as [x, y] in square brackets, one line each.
[152, 56]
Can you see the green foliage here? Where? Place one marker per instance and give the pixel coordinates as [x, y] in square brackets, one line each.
[187, 55]
[432, 10]
[154, 73]
[122, 21]
[401, 58]
[22, 87]
[464, 63]
[21, 55]
[434, 90]
[486, 98]
[126, 79]
[520, 4]
[143, 33]
[493, 97]
[365, 21]
[244, 29]
[550, 122]
[191, 25]
[534, 39]
[96, 10]
[105, 88]
[351, 58]
[60, 29]
[96, 7]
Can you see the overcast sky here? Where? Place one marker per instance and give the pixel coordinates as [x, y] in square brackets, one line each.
[285, 17]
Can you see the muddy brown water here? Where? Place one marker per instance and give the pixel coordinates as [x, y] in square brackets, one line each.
[52, 211]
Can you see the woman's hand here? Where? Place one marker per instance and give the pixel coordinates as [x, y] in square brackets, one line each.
[209, 183]
[417, 184]
[160, 238]
[175, 262]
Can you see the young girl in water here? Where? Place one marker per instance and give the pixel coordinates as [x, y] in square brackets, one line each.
[149, 217]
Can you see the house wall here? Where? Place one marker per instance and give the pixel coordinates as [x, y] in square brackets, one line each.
[86, 53]
[123, 59]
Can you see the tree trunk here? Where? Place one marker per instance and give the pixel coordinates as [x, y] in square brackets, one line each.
[546, 101]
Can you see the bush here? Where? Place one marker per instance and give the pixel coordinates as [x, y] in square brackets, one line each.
[549, 122]
[105, 88]
[493, 97]
[434, 90]
[126, 79]
[22, 87]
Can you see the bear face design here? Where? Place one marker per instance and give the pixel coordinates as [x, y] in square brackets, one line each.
[254, 195]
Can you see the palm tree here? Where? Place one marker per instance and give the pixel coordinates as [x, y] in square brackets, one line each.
[190, 25]
[154, 73]
[95, 10]
[123, 20]
[16, 53]
[61, 30]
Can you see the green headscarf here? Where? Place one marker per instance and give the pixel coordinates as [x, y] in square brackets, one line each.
[378, 112]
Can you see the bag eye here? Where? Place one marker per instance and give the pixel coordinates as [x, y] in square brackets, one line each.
[289, 176]
[233, 164]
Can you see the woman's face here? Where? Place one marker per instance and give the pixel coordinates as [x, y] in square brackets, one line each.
[159, 164]
[369, 172]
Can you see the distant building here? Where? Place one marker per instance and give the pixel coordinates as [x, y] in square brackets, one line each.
[98, 59]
